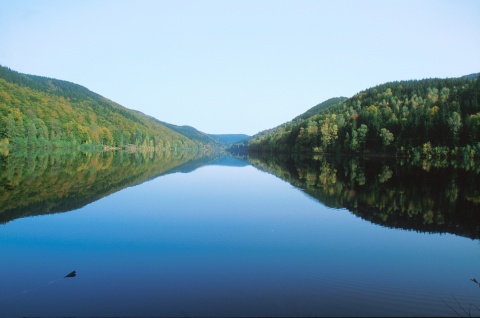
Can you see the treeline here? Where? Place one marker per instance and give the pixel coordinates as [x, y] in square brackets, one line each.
[431, 117]
[39, 112]
[421, 195]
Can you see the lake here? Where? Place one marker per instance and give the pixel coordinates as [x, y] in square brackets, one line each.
[190, 235]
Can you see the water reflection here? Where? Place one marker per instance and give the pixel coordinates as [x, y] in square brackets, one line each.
[435, 197]
[43, 183]
[225, 241]
[427, 196]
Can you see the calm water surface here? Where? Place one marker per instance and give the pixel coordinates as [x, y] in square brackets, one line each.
[227, 239]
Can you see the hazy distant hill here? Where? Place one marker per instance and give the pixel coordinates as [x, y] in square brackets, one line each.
[192, 133]
[472, 76]
[42, 112]
[229, 139]
[195, 134]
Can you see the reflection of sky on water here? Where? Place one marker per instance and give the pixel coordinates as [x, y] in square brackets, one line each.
[226, 241]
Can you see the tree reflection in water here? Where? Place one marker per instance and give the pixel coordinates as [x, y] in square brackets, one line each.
[425, 196]
[42, 183]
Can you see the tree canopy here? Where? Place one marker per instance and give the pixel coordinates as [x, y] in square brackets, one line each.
[39, 112]
[432, 117]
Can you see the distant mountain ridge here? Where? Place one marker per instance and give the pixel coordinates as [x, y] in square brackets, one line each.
[192, 133]
[229, 139]
[471, 76]
[195, 134]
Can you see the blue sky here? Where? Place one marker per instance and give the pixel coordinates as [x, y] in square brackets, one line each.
[237, 66]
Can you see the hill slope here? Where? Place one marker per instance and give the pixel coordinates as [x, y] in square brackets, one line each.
[320, 107]
[37, 111]
[192, 133]
[432, 117]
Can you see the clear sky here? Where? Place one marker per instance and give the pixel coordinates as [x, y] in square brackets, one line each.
[237, 66]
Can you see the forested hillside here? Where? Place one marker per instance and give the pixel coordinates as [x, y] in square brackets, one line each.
[431, 117]
[192, 133]
[320, 107]
[39, 112]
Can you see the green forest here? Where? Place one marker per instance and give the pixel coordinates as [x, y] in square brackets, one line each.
[39, 112]
[425, 118]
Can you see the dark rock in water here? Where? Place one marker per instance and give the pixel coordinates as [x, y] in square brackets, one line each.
[72, 274]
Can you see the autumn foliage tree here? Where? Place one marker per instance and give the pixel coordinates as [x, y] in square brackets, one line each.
[39, 112]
